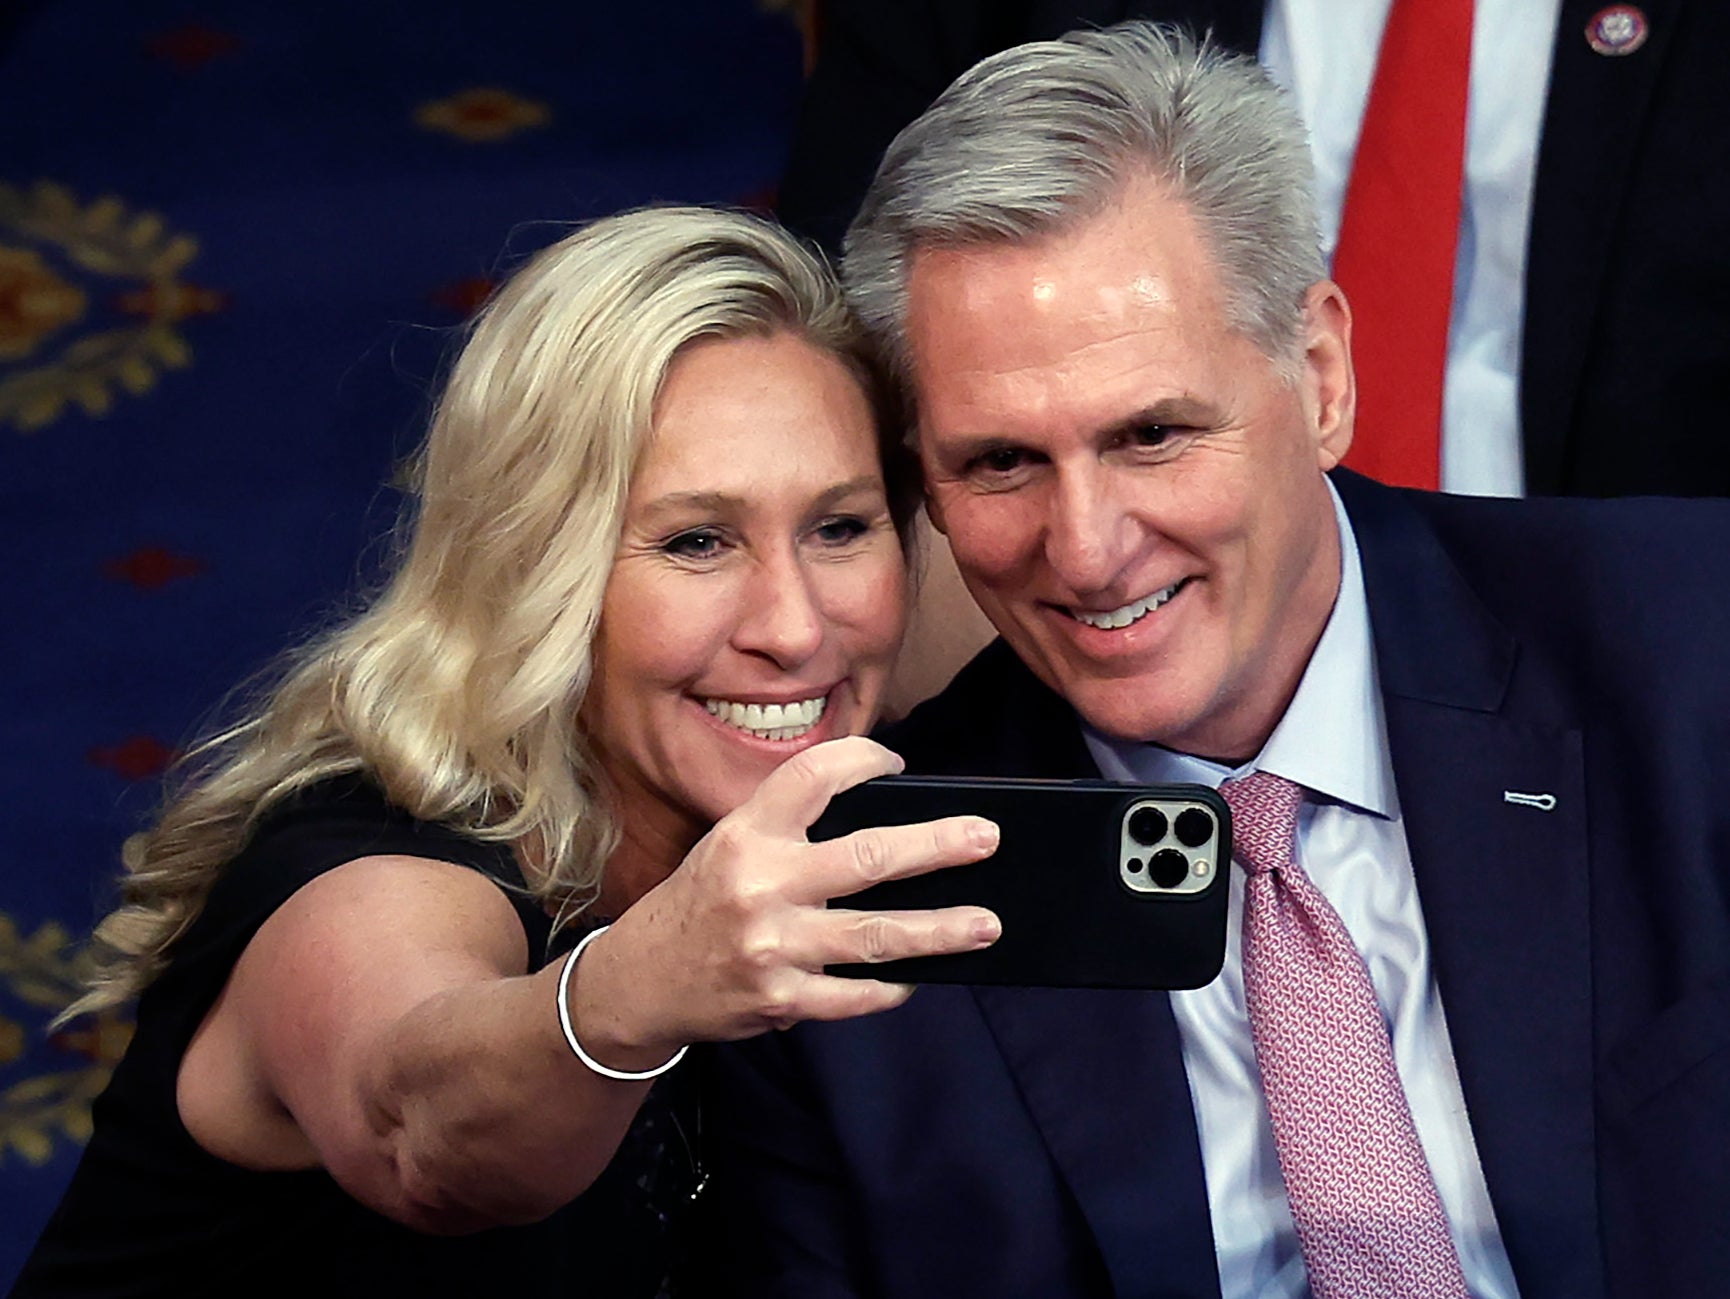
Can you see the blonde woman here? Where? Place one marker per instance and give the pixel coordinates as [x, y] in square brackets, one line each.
[655, 567]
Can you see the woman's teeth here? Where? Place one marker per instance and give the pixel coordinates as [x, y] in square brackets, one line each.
[769, 721]
[1129, 613]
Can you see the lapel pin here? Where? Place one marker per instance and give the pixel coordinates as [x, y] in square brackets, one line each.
[1617, 29]
[1543, 802]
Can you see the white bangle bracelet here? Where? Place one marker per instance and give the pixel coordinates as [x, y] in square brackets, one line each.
[571, 1033]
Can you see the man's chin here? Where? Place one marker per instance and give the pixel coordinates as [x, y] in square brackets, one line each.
[1126, 731]
[1217, 739]
[1111, 708]
[1137, 710]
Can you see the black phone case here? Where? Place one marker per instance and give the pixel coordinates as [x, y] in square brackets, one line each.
[1069, 919]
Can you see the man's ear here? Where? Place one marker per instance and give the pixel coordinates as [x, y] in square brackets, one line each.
[1329, 387]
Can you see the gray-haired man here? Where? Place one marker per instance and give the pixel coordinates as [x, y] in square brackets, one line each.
[1502, 726]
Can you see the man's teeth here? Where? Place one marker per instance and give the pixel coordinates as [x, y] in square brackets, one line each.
[1129, 613]
[770, 721]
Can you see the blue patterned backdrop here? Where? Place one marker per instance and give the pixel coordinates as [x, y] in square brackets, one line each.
[235, 239]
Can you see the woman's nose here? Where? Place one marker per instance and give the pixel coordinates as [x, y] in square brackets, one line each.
[781, 620]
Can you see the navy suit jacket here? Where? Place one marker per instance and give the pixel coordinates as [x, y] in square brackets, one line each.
[1625, 359]
[1038, 1142]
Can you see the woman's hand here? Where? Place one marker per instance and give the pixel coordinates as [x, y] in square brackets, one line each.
[415, 1059]
[734, 941]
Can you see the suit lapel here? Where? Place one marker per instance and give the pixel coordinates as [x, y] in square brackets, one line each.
[1593, 122]
[1138, 1184]
[1493, 793]
[1504, 891]
[1141, 1190]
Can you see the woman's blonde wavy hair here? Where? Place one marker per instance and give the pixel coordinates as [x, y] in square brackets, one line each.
[457, 689]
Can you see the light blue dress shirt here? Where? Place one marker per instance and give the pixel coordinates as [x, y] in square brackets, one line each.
[1351, 841]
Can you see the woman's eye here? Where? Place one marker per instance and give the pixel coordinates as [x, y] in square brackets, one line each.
[841, 530]
[698, 543]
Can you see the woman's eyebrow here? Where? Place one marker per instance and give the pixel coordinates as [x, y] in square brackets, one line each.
[725, 503]
[872, 483]
[693, 502]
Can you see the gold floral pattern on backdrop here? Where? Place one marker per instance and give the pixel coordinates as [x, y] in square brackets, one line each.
[35, 303]
[42, 971]
[91, 300]
[483, 114]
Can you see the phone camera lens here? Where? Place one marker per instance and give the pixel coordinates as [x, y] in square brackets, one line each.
[1168, 868]
[1147, 825]
[1134, 864]
[1194, 827]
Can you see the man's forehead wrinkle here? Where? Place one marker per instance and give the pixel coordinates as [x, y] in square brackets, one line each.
[1100, 382]
[1049, 313]
[1100, 358]
[1014, 406]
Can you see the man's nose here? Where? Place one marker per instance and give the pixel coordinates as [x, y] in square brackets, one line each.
[781, 619]
[1088, 534]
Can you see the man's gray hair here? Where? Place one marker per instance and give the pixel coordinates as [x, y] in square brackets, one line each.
[1045, 135]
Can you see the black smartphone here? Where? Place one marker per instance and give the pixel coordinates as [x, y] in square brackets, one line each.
[1098, 884]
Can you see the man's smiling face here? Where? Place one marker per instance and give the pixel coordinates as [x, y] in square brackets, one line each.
[1133, 491]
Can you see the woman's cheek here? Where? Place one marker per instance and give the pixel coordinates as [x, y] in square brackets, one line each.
[879, 607]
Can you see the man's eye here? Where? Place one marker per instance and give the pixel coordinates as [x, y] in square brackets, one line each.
[841, 530]
[997, 461]
[698, 543]
[1160, 442]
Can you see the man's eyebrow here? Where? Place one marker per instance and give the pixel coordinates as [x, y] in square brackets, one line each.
[967, 445]
[1185, 410]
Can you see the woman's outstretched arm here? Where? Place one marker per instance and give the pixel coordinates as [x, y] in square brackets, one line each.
[384, 1023]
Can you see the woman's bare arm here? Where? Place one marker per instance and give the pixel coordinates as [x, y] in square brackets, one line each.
[383, 1023]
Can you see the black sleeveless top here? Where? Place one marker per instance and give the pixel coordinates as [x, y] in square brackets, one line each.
[150, 1212]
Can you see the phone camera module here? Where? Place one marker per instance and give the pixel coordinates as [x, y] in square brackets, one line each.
[1147, 825]
[1194, 827]
[1168, 868]
[1168, 842]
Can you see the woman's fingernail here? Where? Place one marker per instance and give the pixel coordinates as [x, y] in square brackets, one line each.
[985, 834]
[987, 929]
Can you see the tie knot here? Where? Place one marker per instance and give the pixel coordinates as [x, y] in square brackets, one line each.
[1264, 811]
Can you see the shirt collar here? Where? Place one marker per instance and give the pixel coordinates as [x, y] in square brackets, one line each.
[1333, 737]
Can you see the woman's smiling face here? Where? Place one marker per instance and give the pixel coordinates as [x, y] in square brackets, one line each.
[757, 598]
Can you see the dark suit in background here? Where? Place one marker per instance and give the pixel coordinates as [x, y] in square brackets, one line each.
[1041, 1143]
[1625, 361]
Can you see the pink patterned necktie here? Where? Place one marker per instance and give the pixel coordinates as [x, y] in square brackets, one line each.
[1368, 1218]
